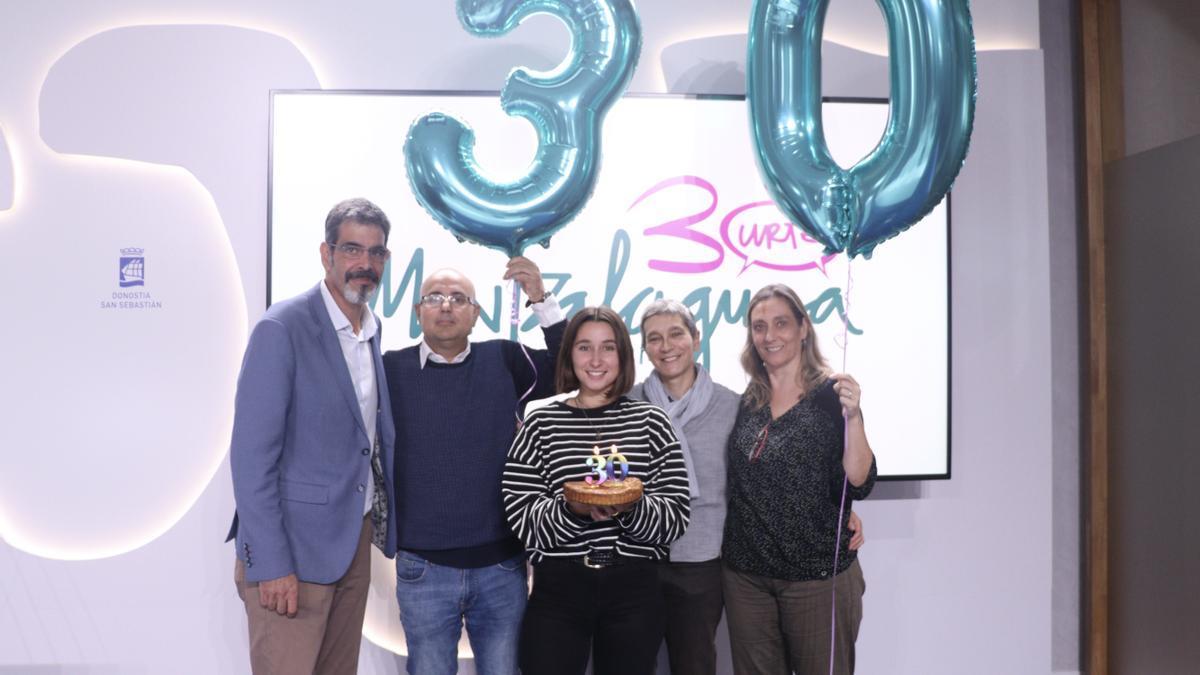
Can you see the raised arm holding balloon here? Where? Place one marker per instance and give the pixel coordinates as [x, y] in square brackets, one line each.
[526, 273]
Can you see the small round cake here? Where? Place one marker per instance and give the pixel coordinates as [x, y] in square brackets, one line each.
[609, 493]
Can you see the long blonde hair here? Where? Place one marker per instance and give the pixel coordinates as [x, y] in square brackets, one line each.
[813, 367]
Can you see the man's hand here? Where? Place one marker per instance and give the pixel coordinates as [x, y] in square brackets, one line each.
[526, 273]
[280, 595]
[855, 525]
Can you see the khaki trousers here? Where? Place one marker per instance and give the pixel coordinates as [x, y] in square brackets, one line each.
[324, 636]
[779, 627]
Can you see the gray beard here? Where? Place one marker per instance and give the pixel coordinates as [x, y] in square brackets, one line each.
[354, 297]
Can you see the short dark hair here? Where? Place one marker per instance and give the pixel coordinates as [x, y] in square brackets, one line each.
[666, 307]
[565, 380]
[356, 210]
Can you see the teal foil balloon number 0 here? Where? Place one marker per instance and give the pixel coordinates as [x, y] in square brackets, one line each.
[933, 87]
[566, 107]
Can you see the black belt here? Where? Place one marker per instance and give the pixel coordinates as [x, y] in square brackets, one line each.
[598, 560]
[601, 559]
[595, 560]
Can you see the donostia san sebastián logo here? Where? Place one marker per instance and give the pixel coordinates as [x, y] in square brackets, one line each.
[131, 274]
[132, 267]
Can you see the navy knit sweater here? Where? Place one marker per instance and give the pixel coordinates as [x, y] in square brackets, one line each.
[454, 425]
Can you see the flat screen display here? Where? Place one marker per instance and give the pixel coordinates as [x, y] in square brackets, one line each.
[679, 211]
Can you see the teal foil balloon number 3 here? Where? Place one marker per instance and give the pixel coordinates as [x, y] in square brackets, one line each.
[933, 86]
[566, 107]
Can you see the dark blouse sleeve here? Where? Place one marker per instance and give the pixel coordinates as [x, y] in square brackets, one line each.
[828, 403]
[860, 492]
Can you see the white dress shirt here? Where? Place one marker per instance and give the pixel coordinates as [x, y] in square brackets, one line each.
[356, 348]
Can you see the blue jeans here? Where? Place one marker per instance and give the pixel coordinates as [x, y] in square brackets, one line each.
[435, 601]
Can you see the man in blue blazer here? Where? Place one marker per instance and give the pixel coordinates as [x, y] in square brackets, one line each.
[312, 458]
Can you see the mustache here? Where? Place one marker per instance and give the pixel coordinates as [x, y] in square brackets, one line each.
[367, 274]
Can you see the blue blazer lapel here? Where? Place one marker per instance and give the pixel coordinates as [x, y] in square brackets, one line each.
[332, 350]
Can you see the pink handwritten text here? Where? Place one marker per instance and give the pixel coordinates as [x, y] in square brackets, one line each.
[755, 232]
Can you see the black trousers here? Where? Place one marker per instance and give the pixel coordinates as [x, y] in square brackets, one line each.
[613, 614]
[694, 602]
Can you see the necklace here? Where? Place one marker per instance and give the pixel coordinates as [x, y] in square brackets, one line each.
[760, 442]
[586, 416]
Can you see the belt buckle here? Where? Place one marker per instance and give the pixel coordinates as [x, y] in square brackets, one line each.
[600, 559]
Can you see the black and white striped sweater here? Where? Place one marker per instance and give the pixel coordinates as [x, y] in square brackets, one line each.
[552, 448]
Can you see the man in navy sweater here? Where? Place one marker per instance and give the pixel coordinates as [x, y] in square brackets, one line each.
[457, 405]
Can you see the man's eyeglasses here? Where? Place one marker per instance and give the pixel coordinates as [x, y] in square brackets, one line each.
[433, 300]
[354, 252]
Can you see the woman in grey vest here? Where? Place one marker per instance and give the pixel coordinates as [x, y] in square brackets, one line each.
[703, 413]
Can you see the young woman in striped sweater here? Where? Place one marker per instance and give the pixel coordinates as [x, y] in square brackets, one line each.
[595, 580]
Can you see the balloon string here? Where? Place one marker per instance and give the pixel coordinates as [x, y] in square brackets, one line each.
[532, 385]
[515, 314]
[837, 547]
[514, 319]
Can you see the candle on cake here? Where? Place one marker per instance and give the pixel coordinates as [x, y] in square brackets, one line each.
[605, 485]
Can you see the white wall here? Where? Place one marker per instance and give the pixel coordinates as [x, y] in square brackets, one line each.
[113, 424]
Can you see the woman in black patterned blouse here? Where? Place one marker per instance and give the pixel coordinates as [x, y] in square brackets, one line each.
[799, 438]
[595, 568]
